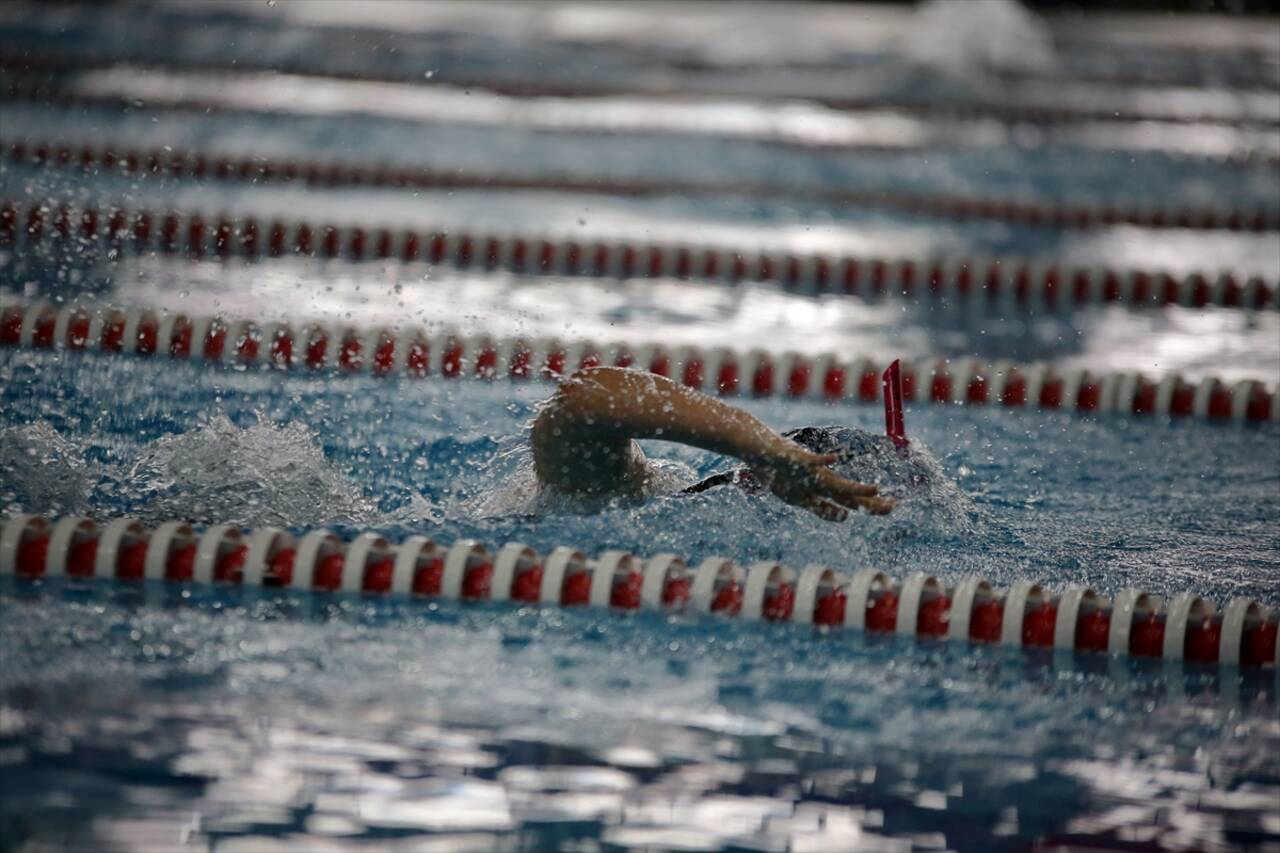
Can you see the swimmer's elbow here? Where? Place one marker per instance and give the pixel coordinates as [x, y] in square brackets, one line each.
[586, 392]
[594, 380]
[593, 405]
[562, 407]
[558, 423]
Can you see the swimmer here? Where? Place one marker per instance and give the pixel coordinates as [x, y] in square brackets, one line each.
[584, 444]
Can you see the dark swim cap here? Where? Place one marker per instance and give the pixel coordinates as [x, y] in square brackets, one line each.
[845, 442]
[865, 457]
[861, 456]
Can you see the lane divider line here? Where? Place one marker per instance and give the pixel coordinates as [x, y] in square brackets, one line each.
[412, 351]
[1076, 620]
[91, 158]
[42, 226]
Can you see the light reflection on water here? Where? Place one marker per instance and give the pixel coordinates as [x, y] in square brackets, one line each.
[237, 722]
[1225, 342]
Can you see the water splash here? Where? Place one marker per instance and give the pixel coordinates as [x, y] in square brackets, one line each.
[262, 474]
[506, 502]
[40, 470]
[979, 35]
[255, 475]
[913, 475]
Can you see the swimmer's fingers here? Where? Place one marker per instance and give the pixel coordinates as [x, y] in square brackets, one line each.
[830, 510]
[876, 506]
[827, 481]
[858, 496]
[802, 478]
[797, 455]
[826, 510]
[839, 488]
[872, 505]
[858, 490]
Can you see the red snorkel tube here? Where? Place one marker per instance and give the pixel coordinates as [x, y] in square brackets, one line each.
[893, 426]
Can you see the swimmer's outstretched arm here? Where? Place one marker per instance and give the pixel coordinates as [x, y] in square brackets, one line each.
[582, 441]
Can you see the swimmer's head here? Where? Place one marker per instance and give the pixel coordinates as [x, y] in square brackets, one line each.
[861, 456]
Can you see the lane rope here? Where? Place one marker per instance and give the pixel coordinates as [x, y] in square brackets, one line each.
[38, 73]
[179, 163]
[1075, 620]
[412, 351]
[37, 225]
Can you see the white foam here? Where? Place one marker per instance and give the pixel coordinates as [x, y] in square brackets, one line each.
[42, 471]
[262, 474]
[979, 35]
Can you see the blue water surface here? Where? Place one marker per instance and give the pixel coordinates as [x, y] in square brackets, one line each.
[287, 719]
[159, 718]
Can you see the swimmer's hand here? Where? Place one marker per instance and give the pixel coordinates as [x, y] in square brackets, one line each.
[802, 478]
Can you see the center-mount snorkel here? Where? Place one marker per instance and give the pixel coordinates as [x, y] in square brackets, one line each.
[891, 382]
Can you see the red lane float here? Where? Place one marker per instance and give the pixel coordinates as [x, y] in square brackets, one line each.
[411, 351]
[1077, 619]
[37, 226]
[92, 157]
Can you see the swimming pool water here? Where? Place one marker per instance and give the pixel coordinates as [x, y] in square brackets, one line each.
[525, 727]
[163, 440]
[226, 719]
